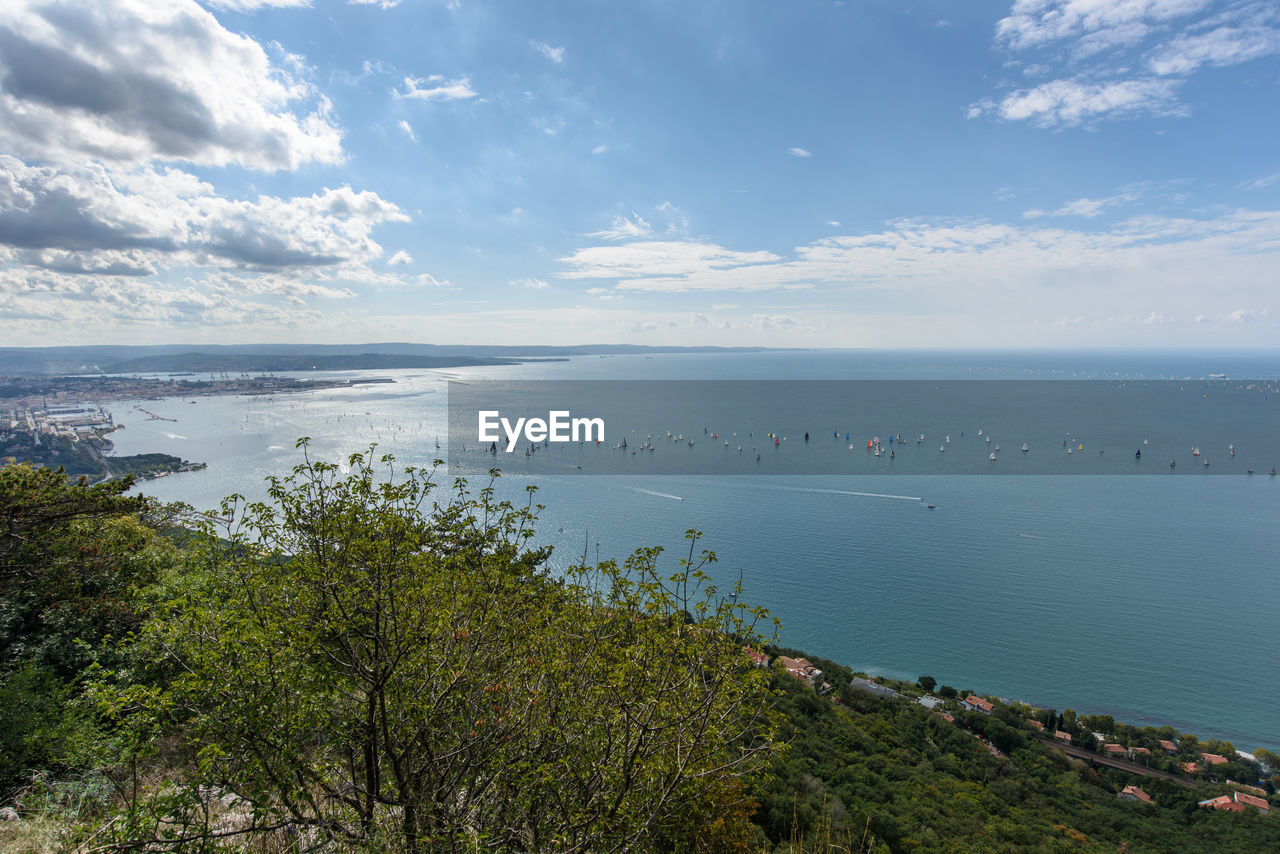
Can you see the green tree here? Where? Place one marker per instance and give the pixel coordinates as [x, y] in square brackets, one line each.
[366, 665]
[72, 557]
[928, 683]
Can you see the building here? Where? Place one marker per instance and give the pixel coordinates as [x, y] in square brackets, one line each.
[1168, 747]
[1114, 749]
[929, 702]
[800, 668]
[1247, 800]
[860, 684]
[1214, 759]
[1253, 790]
[1223, 802]
[1063, 735]
[758, 658]
[974, 703]
[1133, 793]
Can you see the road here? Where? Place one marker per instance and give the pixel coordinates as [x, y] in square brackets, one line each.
[1111, 762]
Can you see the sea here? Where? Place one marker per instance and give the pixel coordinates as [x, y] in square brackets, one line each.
[1154, 599]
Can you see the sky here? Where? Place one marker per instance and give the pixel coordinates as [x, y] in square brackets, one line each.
[867, 173]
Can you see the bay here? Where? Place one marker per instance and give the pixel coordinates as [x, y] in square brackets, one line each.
[1153, 599]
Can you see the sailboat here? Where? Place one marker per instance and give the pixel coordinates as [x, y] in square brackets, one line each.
[1025, 448]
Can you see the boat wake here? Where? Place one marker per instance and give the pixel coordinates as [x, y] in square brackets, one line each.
[851, 492]
[658, 494]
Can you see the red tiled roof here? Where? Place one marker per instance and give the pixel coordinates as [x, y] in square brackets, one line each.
[1141, 750]
[800, 668]
[1063, 735]
[1113, 748]
[1253, 790]
[1253, 801]
[1168, 745]
[1037, 725]
[1214, 759]
[1223, 802]
[975, 700]
[1189, 767]
[1136, 793]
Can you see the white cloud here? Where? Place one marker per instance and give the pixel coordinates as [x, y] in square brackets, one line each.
[600, 149]
[408, 130]
[254, 5]
[170, 218]
[1162, 262]
[382, 4]
[399, 258]
[436, 88]
[1265, 181]
[555, 54]
[671, 266]
[1226, 45]
[1096, 47]
[798, 152]
[1072, 103]
[535, 284]
[625, 228]
[139, 80]
[1033, 23]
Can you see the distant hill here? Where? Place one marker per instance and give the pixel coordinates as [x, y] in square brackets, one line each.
[256, 362]
[27, 361]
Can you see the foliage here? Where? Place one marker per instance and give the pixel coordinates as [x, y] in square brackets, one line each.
[370, 667]
[71, 557]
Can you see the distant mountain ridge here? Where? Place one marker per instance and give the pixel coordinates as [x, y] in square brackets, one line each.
[170, 357]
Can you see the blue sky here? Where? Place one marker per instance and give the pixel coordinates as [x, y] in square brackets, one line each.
[1021, 173]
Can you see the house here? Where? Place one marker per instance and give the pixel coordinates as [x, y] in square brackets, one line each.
[1253, 790]
[929, 702]
[1037, 725]
[1214, 759]
[1223, 802]
[1114, 749]
[1063, 735]
[1189, 768]
[800, 668]
[758, 658]
[1260, 804]
[1133, 793]
[974, 703]
[946, 717]
[860, 684]
[1138, 751]
[1168, 747]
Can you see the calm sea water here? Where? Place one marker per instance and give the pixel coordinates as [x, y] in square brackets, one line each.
[1154, 599]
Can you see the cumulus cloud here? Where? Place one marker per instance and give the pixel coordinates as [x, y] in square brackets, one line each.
[400, 257]
[127, 81]
[436, 88]
[175, 218]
